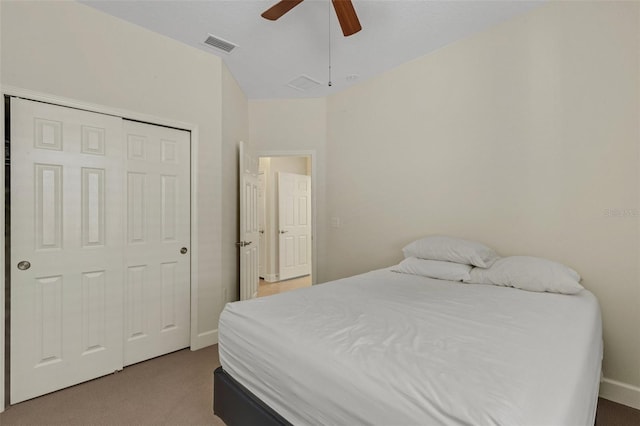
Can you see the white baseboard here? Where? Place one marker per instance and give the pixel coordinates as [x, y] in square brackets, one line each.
[620, 392]
[271, 278]
[205, 339]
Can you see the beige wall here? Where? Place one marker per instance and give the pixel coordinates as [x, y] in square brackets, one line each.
[523, 137]
[72, 51]
[294, 125]
[235, 128]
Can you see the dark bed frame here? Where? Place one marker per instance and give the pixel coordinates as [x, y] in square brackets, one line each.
[236, 405]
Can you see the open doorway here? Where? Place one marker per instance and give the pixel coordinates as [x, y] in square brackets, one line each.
[285, 217]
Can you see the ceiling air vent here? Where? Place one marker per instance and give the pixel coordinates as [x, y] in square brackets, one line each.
[303, 83]
[219, 43]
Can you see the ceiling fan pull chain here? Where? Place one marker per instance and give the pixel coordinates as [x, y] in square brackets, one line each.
[329, 44]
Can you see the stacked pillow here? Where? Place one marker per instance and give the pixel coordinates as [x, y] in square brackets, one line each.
[451, 249]
[445, 258]
[434, 269]
[529, 273]
[455, 259]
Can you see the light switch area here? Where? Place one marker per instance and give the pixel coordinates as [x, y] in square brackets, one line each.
[335, 222]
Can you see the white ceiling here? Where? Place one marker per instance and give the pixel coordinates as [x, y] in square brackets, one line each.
[270, 54]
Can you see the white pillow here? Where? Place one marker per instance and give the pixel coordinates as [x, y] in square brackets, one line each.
[529, 273]
[451, 249]
[434, 269]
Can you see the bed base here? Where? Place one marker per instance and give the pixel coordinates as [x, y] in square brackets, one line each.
[236, 405]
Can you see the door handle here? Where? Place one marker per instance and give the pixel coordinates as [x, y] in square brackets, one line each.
[24, 265]
[183, 250]
[243, 243]
[283, 232]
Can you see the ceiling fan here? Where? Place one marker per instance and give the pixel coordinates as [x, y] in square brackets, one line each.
[344, 10]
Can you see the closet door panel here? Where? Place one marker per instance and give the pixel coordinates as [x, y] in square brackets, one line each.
[157, 248]
[66, 247]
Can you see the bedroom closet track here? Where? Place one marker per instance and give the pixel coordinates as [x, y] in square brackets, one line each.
[99, 251]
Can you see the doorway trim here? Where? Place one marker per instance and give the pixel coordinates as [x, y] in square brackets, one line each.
[197, 341]
[311, 154]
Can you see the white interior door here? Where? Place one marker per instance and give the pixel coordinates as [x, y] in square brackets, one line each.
[157, 228]
[249, 231]
[66, 247]
[294, 213]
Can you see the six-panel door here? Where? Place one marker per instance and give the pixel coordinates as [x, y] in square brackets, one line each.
[66, 204]
[249, 224]
[294, 223]
[98, 219]
[157, 229]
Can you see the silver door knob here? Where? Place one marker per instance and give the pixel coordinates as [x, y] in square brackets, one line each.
[183, 250]
[24, 265]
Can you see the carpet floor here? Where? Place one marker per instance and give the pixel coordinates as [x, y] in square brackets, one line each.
[175, 389]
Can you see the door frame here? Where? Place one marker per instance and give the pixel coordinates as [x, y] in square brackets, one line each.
[262, 219]
[196, 341]
[311, 154]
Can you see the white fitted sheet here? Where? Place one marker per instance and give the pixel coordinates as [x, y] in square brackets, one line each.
[388, 348]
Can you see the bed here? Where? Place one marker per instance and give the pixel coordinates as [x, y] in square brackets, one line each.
[397, 348]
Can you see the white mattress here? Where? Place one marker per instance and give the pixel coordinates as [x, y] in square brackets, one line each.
[394, 349]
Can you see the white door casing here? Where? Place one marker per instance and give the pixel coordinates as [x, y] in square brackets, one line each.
[249, 230]
[157, 227]
[294, 222]
[262, 224]
[66, 203]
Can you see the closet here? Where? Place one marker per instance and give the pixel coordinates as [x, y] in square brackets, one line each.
[99, 245]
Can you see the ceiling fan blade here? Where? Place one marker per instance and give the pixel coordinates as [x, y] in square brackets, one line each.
[347, 17]
[277, 10]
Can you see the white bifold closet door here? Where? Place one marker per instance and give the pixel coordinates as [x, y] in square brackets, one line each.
[87, 197]
[157, 282]
[66, 220]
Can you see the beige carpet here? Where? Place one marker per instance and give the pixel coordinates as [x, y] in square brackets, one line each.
[612, 414]
[174, 389]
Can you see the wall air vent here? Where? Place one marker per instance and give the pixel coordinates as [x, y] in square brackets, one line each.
[303, 83]
[219, 43]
